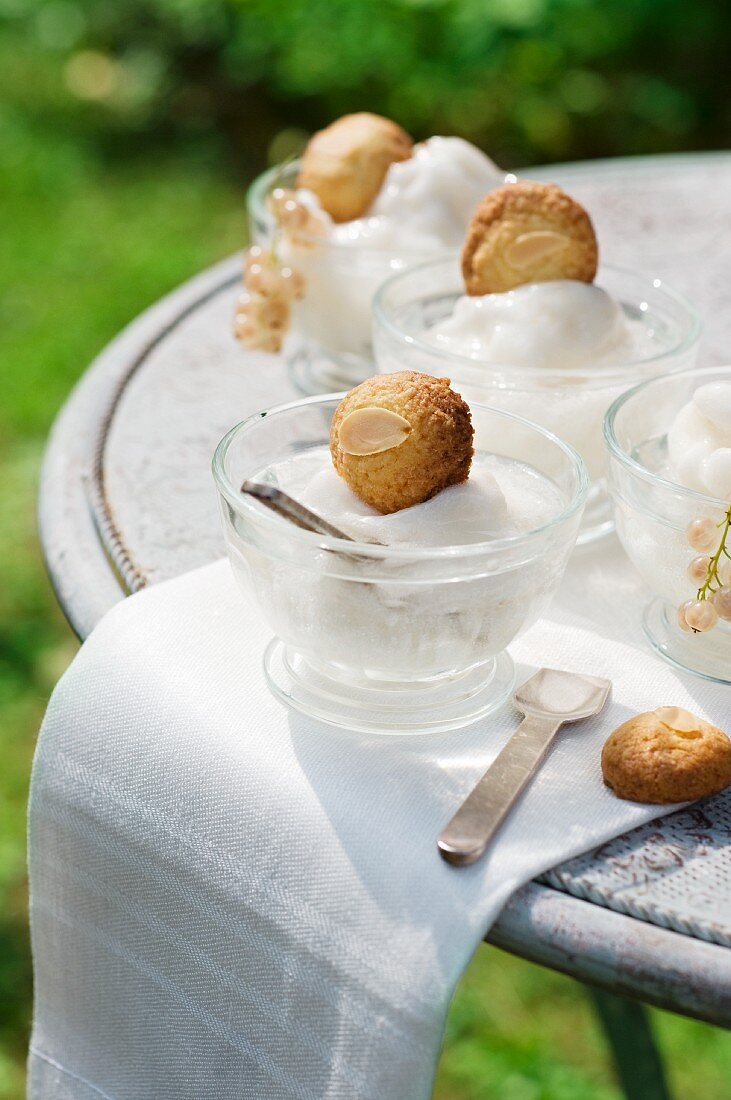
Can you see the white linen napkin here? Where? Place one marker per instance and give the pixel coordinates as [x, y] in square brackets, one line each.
[229, 900]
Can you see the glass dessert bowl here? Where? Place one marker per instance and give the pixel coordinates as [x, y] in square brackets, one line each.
[555, 348]
[403, 630]
[419, 210]
[665, 453]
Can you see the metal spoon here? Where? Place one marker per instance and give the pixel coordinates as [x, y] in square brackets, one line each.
[289, 508]
[548, 700]
[285, 505]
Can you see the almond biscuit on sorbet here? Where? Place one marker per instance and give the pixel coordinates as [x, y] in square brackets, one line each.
[527, 232]
[666, 755]
[345, 164]
[398, 439]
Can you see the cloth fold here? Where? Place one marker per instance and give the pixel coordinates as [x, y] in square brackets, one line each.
[229, 900]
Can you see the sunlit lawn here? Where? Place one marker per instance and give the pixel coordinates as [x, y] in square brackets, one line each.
[86, 244]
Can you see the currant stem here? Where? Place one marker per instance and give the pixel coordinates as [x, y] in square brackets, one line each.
[707, 588]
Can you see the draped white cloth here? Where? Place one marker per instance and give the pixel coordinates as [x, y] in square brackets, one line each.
[230, 901]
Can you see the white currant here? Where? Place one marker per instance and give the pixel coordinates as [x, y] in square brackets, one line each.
[301, 225]
[722, 602]
[698, 569]
[702, 534]
[293, 283]
[682, 621]
[701, 615]
[262, 313]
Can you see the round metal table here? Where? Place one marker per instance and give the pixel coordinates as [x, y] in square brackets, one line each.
[127, 500]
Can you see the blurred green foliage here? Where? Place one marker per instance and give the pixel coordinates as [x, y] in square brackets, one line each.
[528, 80]
[85, 246]
[122, 123]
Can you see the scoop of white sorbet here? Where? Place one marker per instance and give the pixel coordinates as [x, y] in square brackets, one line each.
[434, 193]
[474, 511]
[556, 325]
[699, 441]
[425, 202]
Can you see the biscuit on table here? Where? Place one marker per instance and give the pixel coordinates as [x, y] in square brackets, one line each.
[666, 755]
[527, 232]
[346, 163]
[398, 439]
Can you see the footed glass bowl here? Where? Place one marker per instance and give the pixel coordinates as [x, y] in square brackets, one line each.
[652, 513]
[391, 639]
[572, 403]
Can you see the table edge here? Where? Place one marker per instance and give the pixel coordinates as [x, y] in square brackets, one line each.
[621, 954]
[78, 531]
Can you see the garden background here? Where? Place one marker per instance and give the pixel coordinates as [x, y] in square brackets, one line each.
[128, 132]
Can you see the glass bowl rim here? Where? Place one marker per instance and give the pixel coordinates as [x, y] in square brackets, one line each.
[605, 376]
[242, 503]
[259, 187]
[636, 468]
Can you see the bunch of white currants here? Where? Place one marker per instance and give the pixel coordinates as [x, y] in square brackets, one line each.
[303, 226]
[263, 308]
[711, 571]
[270, 286]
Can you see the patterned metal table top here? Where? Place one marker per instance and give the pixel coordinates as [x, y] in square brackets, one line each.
[163, 395]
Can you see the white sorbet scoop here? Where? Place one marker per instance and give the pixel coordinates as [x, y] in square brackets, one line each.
[699, 441]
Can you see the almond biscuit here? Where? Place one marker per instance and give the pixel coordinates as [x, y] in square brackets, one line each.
[398, 439]
[345, 164]
[527, 232]
[666, 755]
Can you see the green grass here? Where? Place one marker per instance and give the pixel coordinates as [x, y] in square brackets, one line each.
[87, 242]
[518, 1032]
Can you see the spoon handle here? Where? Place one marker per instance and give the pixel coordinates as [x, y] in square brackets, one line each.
[285, 505]
[466, 837]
